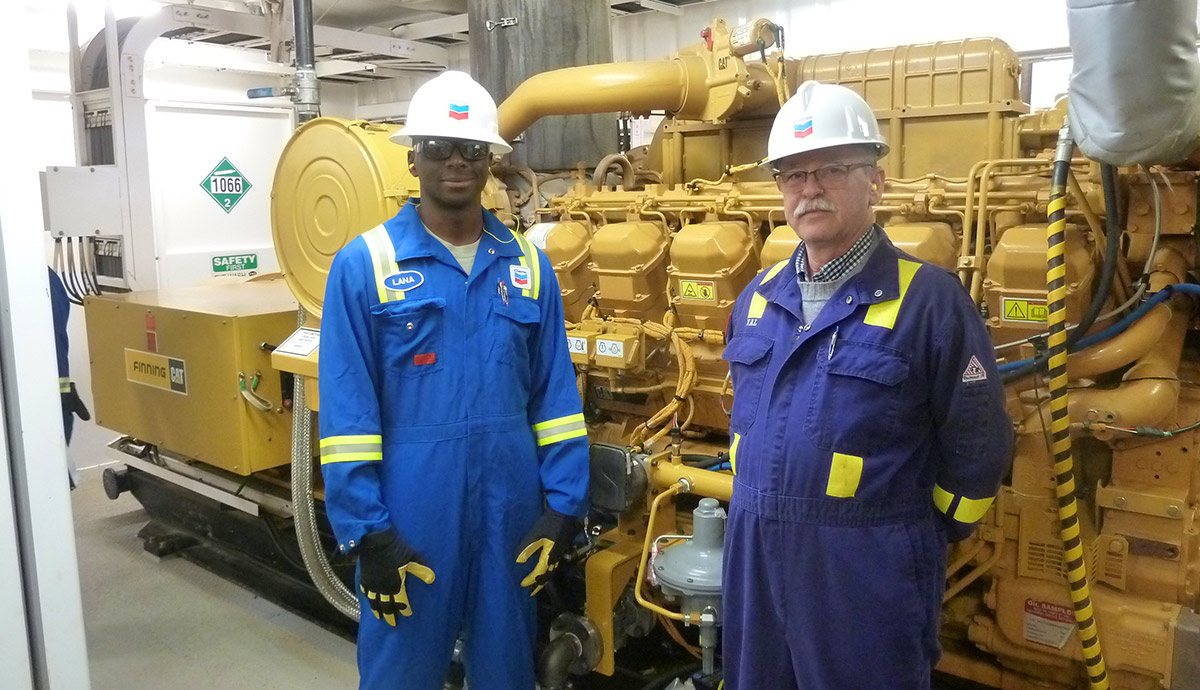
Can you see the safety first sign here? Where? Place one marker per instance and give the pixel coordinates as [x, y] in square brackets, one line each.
[156, 371]
[240, 265]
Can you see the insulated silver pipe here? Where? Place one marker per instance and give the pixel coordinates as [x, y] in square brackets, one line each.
[315, 560]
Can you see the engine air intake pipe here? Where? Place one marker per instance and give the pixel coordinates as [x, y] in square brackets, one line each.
[675, 85]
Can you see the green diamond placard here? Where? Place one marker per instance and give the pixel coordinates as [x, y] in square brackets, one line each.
[226, 185]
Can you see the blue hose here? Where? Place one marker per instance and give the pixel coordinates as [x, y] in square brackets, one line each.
[1013, 370]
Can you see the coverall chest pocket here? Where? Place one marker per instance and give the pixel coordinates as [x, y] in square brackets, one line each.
[410, 336]
[747, 357]
[514, 326]
[856, 397]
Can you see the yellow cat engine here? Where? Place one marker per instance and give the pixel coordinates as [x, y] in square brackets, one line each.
[649, 269]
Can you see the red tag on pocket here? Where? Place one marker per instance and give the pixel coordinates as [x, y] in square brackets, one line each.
[427, 358]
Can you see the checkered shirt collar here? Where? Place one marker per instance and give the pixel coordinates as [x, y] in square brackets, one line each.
[840, 266]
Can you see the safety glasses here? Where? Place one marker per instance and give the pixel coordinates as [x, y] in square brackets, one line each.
[829, 177]
[441, 149]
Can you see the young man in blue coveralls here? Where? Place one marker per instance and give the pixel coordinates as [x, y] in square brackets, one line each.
[868, 428]
[453, 445]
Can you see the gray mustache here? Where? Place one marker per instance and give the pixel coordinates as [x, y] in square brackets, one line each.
[816, 204]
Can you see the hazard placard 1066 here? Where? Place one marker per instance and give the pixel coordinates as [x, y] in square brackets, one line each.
[1024, 310]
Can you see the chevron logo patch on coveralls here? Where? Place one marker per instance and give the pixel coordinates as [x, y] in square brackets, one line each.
[519, 276]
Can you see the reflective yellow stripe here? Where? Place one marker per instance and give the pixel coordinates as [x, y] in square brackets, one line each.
[530, 261]
[557, 422]
[942, 498]
[774, 271]
[383, 262]
[884, 314]
[351, 457]
[64, 385]
[844, 475]
[344, 440]
[562, 437]
[351, 448]
[970, 510]
[758, 305]
[561, 429]
[737, 438]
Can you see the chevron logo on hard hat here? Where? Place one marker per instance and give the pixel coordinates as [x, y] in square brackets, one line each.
[803, 128]
[459, 112]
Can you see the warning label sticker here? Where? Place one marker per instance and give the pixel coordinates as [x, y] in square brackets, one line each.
[1024, 310]
[150, 369]
[1048, 624]
[699, 290]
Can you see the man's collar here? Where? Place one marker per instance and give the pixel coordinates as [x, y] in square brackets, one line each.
[878, 281]
[839, 266]
[412, 240]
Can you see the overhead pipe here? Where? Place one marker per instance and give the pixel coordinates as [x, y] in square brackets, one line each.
[677, 86]
[306, 93]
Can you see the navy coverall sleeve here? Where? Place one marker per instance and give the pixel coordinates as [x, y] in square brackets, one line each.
[351, 431]
[555, 411]
[974, 434]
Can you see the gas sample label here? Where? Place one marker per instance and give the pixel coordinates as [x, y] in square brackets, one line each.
[610, 348]
[156, 371]
[699, 290]
[1024, 310]
[235, 264]
[577, 345]
[226, 185]
[1048, 624]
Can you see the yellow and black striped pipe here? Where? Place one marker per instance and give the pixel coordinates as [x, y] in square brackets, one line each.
[1056, 283]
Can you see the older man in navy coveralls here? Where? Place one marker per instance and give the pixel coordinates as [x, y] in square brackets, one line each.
[868, 428]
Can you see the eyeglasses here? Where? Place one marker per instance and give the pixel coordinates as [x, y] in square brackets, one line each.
[441, 149]
[827, 177]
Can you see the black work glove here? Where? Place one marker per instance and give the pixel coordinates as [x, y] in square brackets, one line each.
[384, 562]
[74, 403]
[551, 535]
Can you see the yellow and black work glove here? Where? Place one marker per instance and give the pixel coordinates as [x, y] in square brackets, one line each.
[549, 539]
[384, 563]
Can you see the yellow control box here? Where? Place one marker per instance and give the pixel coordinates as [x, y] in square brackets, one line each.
[168, 367]
[618, 348]
[581, 342]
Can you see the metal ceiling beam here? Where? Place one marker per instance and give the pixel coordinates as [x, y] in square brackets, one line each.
[662, 7]
[452, 24]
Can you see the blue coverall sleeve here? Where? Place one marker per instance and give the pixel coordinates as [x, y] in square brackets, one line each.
[555, 411]
[351, 431]
[974, 434]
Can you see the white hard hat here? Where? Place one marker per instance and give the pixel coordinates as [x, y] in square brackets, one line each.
[820, 116]
[452, 105]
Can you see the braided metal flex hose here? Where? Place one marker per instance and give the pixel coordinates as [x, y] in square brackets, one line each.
[304, 514]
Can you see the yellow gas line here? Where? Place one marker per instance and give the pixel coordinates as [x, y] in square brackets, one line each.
[1060, 420]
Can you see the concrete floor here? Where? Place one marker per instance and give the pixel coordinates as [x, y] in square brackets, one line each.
[170, 623]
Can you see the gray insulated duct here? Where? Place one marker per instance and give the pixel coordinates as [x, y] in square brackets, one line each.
[1135, 86]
